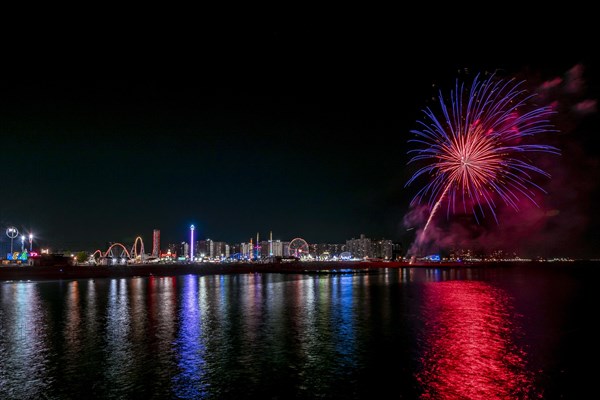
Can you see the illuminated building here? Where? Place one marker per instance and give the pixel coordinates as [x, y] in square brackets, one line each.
[382, 249]
[263, 249]
[286, 248]
[246, 250]
[277, 246]
[219, 250]
[203, 248]
[271, 248]
[155, 243]
[213, 250]
[184, 249]
[359, 248]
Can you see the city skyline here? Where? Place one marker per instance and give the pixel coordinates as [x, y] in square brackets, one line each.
[314, 151]
[356, 247]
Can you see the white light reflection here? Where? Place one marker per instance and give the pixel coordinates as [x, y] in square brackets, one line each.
[23, 342]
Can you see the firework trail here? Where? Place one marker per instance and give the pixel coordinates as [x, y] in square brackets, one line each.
[437, 205]
[474, 153]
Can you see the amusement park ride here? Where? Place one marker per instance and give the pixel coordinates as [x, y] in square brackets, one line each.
[299, 248]
[117, 253]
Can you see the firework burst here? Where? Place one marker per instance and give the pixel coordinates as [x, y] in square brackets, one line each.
[475, 153]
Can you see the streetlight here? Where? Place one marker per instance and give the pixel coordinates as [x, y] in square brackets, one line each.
[30, 242]
[12, 233]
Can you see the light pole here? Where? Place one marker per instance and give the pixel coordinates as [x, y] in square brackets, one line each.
[22, 243]
[12, 233]
[30, 242]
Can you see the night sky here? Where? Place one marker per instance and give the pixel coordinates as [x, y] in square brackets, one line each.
[306, 143]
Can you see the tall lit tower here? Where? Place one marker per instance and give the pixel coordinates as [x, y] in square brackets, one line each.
[192, 242]
[155, 243]
[270, 243]
[257, 247]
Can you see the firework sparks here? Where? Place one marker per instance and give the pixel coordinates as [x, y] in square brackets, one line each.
[475, 151]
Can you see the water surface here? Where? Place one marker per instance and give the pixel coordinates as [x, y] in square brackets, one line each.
[480, 333]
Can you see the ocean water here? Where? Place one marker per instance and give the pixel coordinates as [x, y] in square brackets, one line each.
[497, 331]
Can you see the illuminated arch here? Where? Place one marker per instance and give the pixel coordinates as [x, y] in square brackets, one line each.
[134, 252]
[99, 252]
[110, 254]
[96, 256]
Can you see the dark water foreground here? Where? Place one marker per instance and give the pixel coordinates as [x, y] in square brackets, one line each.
[457, 333]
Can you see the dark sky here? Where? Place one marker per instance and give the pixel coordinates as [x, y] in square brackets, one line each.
[305, 137]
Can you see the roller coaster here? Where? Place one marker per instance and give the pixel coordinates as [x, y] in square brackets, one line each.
[117, 254]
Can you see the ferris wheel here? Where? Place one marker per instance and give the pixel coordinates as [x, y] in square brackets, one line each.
[299, 248]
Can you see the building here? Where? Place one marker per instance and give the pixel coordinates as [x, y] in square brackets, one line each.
[271, 248]
[277, 246]
[213, 250]
[286, 249]
[382, 249]
[397, 251]
[156, 243]
[263, 248]
[204, 248]
[359, 248]
[221, 250]
[246, 250]
[184, 249]
[235, 250]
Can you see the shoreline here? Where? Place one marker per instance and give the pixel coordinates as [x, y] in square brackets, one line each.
[12, 273]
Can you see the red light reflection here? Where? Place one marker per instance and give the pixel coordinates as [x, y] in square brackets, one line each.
[469, 344]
